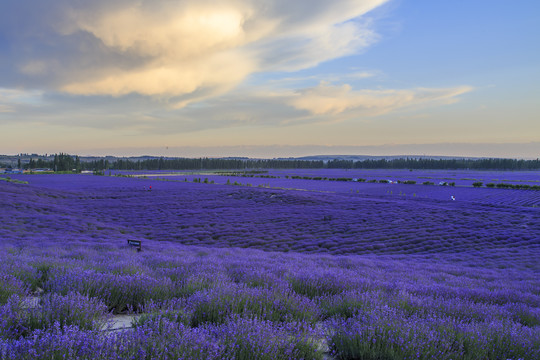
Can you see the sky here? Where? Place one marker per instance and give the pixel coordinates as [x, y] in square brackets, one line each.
[264, 78]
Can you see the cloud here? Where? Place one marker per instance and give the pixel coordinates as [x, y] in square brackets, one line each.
[305, 50]
[167, 67]
[184, 47]
[264, 106]
[194, 49]
[324, 103]
[6, 109]
[328, 99]
[12, 99]
[218, 72]
[33, 67]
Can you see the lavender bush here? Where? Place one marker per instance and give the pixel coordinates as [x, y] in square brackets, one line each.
[118, 292]
[389, 334]
[20, 320]
[217, 305]
[10, 285]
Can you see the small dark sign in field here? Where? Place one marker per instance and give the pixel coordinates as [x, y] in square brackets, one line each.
[135, 243]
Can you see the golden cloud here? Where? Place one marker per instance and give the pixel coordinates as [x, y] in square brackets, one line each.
[170, 49]
[219, 72]
[327, 99]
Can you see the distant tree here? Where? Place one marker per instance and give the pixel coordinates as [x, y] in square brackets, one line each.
[77, 164]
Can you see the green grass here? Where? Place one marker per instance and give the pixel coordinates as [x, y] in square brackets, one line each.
[14, 181]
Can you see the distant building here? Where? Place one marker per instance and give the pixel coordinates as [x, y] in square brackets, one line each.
[13, 171]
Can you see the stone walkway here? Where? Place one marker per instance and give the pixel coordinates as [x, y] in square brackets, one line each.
[119, 322]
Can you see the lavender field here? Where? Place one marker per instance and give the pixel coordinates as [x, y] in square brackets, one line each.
[296, 264]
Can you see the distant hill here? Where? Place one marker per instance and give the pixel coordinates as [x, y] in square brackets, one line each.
[371, 157]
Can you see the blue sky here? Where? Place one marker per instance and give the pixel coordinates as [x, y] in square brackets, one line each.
[270, 78]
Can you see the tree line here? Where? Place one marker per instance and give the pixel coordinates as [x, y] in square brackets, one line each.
[436, 164]
[61, 162]
[65, 162]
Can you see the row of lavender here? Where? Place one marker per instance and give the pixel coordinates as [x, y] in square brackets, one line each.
[335, 180]
[378, 219]
[459, 177]
[207, 303]
[374, 187]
